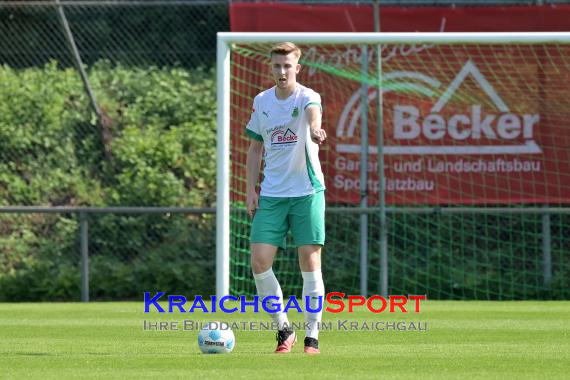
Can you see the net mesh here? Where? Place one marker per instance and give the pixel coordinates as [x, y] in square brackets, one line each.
[467, 129]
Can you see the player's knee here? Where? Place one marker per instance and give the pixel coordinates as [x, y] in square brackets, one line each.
[260, 263]
[259, 266]
[310, 258]
[310, 250]
[262, 257]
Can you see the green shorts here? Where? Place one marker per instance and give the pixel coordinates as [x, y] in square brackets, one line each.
[305, 216]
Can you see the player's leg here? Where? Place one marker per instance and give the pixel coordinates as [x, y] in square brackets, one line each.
[308, 226]
[313, 293]
[266, 282]
[268, 232]
[262, 256]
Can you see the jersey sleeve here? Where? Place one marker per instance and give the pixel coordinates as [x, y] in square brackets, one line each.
[312, 99]
[253, 129]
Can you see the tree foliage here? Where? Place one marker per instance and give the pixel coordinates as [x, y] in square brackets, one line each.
[157, 150]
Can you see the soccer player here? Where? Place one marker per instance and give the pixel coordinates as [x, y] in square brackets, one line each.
[285, 129]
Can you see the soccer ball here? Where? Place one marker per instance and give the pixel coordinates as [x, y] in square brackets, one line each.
[216, 338]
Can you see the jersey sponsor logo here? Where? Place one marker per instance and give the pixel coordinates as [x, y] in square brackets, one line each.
[281, 138]
[476, 130]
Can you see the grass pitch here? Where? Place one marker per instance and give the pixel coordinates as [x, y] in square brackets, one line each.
[463, 340]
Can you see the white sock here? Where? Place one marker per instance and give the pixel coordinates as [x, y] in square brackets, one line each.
[267, 285]
[313, 286]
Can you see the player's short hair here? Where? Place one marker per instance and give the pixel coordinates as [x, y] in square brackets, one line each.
[285, 48]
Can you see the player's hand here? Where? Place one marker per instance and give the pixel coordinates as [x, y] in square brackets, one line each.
[318, 136]
[252, 204]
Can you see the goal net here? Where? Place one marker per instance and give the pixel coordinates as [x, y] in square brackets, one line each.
[475, 168]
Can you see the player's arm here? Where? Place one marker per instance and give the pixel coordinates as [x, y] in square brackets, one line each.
[253, 166]
[314, 116]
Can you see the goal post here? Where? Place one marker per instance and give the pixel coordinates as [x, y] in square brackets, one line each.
[476, 132]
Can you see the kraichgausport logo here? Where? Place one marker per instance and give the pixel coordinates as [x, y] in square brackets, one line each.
[179, 304]
[480, 130]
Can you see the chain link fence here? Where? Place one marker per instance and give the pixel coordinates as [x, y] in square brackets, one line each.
[139, 33]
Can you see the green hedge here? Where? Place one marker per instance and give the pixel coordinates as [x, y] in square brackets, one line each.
[158, 150]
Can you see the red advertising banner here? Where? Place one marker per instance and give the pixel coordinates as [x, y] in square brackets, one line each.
[275, 17]
[471, 124]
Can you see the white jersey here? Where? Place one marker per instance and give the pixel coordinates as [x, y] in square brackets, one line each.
[292, 167]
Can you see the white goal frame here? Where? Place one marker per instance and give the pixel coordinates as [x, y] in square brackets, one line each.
[225, 39]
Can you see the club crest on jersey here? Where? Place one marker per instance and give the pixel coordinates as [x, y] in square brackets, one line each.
[295, 112]
[281, 139]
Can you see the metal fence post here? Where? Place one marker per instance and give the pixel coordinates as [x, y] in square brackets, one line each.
[364, 173]
[84, 231]
[546, 253]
